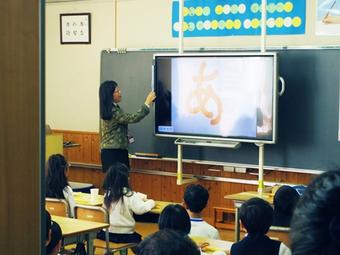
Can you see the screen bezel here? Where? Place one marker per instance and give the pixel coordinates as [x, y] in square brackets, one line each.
[220, 138]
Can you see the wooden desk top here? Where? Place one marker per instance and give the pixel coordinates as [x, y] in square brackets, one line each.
[214, 245]
[244, 196]
[71, 227]
[85, 199]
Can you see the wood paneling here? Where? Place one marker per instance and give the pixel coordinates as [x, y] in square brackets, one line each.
[164, 187]
[19, 127]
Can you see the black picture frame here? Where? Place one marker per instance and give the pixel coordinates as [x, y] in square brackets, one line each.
[75, 28]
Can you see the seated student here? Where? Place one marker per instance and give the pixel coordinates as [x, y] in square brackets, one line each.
[256, 217]
[195, 200]
[167, 242]
[175, 217]
[315, 227]
[57, 186]
[285, 200]
[53, 236]
[122, 202]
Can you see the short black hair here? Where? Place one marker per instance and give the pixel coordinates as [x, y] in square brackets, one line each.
[167, 242]
[196, 197]
[285, 200]
[256, 216]
[175, 217]
[315, 227]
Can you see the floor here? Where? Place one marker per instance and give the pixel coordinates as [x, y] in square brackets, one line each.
[146, 229]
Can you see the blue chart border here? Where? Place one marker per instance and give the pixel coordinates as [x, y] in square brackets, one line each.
[234, 17]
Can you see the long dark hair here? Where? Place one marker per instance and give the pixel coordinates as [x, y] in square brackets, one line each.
[106, 99]
[56, 179]
[175, 217]
[116, 184]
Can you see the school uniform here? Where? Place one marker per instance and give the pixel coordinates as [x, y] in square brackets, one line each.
[259, 245]
[122, 223]
[199, 227]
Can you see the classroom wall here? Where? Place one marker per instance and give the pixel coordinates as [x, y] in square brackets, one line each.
[72, 71]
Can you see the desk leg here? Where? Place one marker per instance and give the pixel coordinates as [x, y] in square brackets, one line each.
[237, 223]
[89, 243]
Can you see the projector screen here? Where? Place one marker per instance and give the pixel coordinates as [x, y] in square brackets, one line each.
[216, 97]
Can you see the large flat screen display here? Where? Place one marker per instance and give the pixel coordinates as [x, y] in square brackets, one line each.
[216, 97]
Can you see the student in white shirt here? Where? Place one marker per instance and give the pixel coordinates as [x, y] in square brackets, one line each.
[195, 200]
[122, 202]
[57, 185]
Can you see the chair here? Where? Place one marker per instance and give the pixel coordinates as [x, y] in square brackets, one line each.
[280, 233]
[100, 214]
[58, 207]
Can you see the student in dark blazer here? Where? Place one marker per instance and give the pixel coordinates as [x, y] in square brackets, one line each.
[256, 217]
[114, 124]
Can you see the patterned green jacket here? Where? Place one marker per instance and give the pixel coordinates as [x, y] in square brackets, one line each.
[114, 132]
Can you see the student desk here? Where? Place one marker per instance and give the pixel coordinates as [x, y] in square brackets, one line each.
[214, 245]
[239, 199]
[80, 229]
[81, 187]
[85, 199]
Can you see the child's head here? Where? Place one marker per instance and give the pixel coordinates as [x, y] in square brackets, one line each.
[315, 227]
[175, 217]
[53, 236]
[196, 197]
[116, 183]
[256, 216]
[56, 175]
[285, 200]
[167, 242]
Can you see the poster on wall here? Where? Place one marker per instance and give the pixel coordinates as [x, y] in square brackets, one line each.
[328, 17]
[234, 17]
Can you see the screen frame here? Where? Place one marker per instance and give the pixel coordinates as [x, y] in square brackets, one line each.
[229, 54]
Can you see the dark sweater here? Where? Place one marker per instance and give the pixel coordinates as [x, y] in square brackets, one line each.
[256, 245]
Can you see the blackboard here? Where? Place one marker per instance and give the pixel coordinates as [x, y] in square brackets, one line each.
[307, 116]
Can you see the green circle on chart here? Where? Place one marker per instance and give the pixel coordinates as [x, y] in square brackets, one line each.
[191, 26]
[191, 11]
[254, 8]
[279, 7]
[199, 25]
[221, 24]
[206, 11]
[271, 8]
[234, 9]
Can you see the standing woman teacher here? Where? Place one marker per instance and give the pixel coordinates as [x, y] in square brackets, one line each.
[114, 124]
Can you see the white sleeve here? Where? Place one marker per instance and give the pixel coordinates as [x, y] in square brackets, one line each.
[70, 199]
[217, 235]
[284, 250]
[138, 206]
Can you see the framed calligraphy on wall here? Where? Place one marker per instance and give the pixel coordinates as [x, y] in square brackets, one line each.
[75, 28]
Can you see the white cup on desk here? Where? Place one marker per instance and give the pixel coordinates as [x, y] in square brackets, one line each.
[94, 193]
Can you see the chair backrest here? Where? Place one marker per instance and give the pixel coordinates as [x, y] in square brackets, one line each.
[280, 233]
[96, 214]
[91, 213]
[58, 207]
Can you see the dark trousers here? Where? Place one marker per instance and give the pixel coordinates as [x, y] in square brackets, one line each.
[121, 238]
[111, 156]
